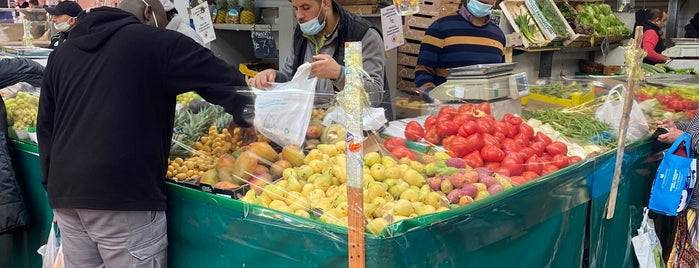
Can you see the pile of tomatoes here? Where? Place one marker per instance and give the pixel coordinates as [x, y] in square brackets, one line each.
[508, 146]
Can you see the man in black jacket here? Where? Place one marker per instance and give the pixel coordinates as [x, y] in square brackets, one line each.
[64, 17]
[15, 70]
[105, 122]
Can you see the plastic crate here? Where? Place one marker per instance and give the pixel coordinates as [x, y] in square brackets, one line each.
[575, 99]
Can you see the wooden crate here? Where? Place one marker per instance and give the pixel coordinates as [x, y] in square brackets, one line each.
[413, 34]
[419, 21]
[357, 2]
[579, 40]
[545, 25]
[405, 71]
[410, 47]
[407, 59]
[513, 8]
[406, 85]
[439, 8]
[361, 9]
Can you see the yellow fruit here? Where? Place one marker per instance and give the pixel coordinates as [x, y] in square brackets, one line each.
[244, 166]
[293, 154]
[278, 168]
[328, 149]
[314, 154]
[263, 150]
[372, 158]
[247, 17]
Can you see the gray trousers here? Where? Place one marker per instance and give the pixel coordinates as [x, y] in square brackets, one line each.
[103, 238]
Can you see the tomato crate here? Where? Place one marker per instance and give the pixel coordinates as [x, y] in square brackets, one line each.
[576, 98]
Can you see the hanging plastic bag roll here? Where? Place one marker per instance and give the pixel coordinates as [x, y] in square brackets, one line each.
[611, 111]
[283, 111]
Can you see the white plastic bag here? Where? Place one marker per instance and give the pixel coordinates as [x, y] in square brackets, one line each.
[283, 111]
[611, 110]
[50, 251]
[646, 244]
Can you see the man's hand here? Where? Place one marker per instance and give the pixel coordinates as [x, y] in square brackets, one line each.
[325, 67]
[247, 134]
[263, 79]
[666, 123]
[671, 136]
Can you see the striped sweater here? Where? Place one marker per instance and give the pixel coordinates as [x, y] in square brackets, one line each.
[453, 41]
[691, 127]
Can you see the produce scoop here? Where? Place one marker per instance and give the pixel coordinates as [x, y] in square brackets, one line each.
[494, 83]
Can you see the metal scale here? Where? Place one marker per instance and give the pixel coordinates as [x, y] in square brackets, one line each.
[684, 54]
[494, 83]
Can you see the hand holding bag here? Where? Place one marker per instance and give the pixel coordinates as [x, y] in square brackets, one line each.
[283, 111]
[674, 181]
[50, 251]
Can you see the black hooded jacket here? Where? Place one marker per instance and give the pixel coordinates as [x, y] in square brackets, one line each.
[692, 29]
[107, 105]
[15, 70]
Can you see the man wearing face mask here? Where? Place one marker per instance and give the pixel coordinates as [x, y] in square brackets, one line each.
[323, 28]
[63, 17]
[462, 39]
[108, 98]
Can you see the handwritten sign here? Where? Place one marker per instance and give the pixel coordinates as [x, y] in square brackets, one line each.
[264, 45]
[202, 22]
[392, 28]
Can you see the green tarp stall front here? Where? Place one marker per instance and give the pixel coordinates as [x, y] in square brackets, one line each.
[540, 224]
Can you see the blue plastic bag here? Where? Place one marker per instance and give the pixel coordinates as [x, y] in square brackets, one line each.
[674, 180]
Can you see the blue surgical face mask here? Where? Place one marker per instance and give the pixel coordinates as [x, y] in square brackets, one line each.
[479, 9]
[313, 27]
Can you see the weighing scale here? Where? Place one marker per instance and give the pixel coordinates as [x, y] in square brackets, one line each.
[685, 53]
[494, 83]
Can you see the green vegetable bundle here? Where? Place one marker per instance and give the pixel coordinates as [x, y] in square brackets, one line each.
[601, 18]
[559, 89]
[550, 13]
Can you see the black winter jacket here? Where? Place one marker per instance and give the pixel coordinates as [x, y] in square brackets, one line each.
[107, 107]
[15, 70]
[13, 212]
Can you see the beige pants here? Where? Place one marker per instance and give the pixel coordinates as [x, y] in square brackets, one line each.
[102, 238]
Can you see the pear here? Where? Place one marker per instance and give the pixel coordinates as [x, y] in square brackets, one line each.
[403, 208]
[414, 178]
[307, 188]
[249, 197]
[377, 172]
[313, 154]
[411, 195]
[304, 171]
[417, 166]
[274, 192]
[372, 158]
[388, 161]
[323, 182]
[375, 189]
[210, 177]
[296, 201]
[433, 199]
[293, 185]
[377, 225]
[424, 209]
[340, 172]
[280, 205]
[398, 188]
[302, 213]
[392, 172]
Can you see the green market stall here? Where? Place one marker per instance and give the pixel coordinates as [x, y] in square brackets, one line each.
[549, 222]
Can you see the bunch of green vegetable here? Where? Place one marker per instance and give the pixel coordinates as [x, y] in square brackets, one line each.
[524, 22]
[571, 16]
[559, 89]
[550, 13]
[601, 18]
[571, 124]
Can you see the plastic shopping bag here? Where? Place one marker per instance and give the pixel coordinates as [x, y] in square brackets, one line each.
[646, 244]
[611, 111]
[283, 111]
[674, 181]
[50, 251]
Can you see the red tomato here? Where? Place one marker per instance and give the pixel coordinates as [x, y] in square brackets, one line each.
[431, 122]
[557, 147]
[542, 138]
[511, 145]
[474, 159]
[574, 159]
[393, 142]
[468, 128]
[449, 110]
[466, 108]
[517, 180]
[475, 142]
[522, 138]
[500, 136]
[484, 126]
[447, 128]
[501, 127]
[460, 119]
[512, 130]
[414, 131]
[549, 168]
[492, 153]
[401, 152]
[530, 175]
[527, 152]
[560, 161]
[513, 119]
[492, 165]
[502, 171]
[534, 164]
[514, 163]
[484, 107]
[490, 139]
[526, 130]
[432, 137]
[538, 146]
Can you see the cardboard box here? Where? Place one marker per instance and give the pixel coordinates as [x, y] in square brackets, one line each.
[418, 21]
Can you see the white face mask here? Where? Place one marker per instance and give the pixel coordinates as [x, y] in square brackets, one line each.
[62, 27]
[313, 27]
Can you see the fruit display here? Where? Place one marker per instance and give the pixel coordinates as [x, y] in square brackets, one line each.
[678, 103]
[22, 110]
[187, 97]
